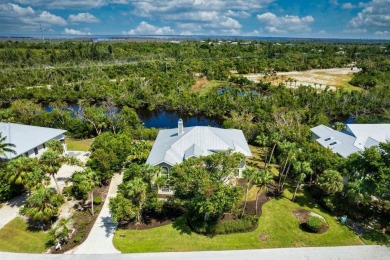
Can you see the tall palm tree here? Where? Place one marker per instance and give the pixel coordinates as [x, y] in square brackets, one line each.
[5, 147]
[303, 169]
[90, 181]
[249, 175]
[262, 180]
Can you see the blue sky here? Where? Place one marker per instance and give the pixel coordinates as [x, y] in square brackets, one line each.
[268, 18]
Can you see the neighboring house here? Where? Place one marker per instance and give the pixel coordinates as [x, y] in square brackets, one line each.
[28, 140]
[355, 138]
[173, 146]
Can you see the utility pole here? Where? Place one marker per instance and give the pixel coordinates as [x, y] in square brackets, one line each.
[41, 28]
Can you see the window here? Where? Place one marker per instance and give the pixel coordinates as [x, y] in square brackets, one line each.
[44, 145]
[36, 151]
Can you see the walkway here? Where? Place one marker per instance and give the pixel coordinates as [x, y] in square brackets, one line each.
[10, 209]
[99, 240]
[315, 253]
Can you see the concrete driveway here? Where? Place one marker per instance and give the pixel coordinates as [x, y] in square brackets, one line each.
[10, 209]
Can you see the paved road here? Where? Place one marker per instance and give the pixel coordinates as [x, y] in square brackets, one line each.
[10, 209]
[315, 253]
[99, 240]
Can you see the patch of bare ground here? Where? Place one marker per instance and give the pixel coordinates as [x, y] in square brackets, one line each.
[318, 78]
[200, 83]
[302, 215]
[83, 221]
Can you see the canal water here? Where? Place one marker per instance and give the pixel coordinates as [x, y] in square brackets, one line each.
[165, 119]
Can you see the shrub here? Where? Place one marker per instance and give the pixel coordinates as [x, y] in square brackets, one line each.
[314, 224]
[67, 191]
[76, 239]
[97, 201]
[247, 223]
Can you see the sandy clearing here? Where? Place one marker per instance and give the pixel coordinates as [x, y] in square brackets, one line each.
[317, 78]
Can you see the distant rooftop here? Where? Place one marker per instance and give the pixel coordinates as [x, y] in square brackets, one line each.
[26, 137]
[355, 138]
[172, 148]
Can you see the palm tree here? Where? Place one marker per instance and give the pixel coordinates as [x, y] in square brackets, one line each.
[5, 147]
[42, 205]
[24, 171]
[263, 178]
[331, 181]
[302, 168]
[249, 175]
[90, 181]
[51, 163]
[274, 138]
[136, 189]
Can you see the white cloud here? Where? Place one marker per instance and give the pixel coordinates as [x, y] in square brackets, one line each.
[75, 32]
[285, 24]
[238, 14]
[51, 19]
[71, 4]
[15, 18]
[13, 9]
[348, 6]
[375, 15]
[383, 33]
[82, 18]
[147, 29]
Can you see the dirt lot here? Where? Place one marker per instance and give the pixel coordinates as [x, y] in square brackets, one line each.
[334, 78]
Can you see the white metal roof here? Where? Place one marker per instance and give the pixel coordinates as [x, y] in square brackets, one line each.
[354, 139]
[172, 148]
[26, 137]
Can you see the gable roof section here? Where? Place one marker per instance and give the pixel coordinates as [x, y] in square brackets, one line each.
[172, 148]
[26, 137]
[354, 139]
[369, 133]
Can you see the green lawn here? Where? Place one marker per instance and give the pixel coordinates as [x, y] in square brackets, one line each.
[277, 222]
[78, 145]
[15, 237]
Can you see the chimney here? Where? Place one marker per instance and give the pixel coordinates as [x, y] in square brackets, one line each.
[180, 127]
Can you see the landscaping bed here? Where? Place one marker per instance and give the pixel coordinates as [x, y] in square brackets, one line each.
[303, 215]
[83, 221]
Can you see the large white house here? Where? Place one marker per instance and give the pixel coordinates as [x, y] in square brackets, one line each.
[355, 138]
[173, 146]
[28, 140]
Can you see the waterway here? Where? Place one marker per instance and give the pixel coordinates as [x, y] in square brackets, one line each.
[165, 119]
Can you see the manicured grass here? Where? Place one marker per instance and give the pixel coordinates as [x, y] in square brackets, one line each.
[78, 145]
[258, 156]
[16, 237]
[277, 222]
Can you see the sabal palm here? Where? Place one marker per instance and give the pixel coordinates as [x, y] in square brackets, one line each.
[331, 181]
[42, 205]
[5, 147]
[24, 171]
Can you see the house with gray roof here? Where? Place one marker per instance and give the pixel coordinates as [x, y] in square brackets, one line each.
[28, 140]
[173, 146]
[355, 138]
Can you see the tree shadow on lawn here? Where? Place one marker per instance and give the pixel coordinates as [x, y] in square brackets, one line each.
[376, 237]
[181, 225]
